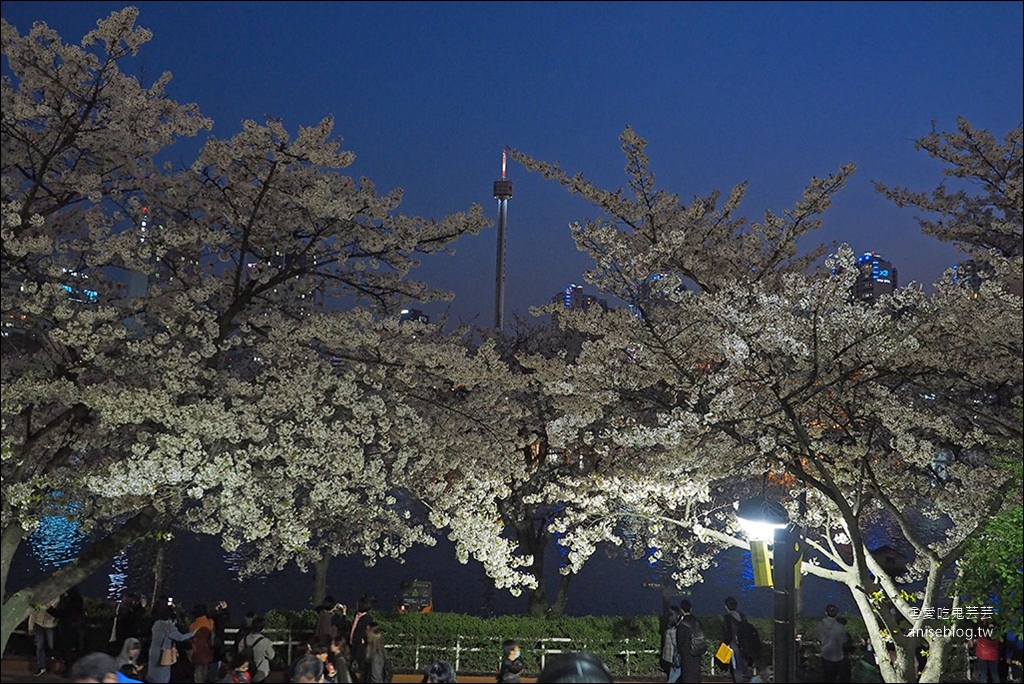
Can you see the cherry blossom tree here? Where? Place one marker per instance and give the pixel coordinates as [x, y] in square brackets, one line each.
[749, 369]
[170, 358]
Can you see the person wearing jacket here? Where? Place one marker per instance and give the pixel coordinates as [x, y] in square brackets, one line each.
[512, 666]
[740, 666]
[986, 652]
[357, 632]
[42, 624]
[689, 664]
[373, 665]
[202, 643]
[834, 640]
[670, 660]
[262, 650]
[164, 633]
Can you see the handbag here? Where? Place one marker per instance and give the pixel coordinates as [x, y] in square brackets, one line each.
[169, 656]
[168, 653]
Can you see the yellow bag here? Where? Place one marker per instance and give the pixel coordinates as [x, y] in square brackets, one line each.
[724, 654]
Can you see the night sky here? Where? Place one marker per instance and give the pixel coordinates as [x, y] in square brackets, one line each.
[428, 94]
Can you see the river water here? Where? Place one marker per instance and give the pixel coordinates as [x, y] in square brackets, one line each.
[198, 570]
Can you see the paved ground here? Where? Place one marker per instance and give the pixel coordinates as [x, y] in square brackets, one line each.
[17, 670]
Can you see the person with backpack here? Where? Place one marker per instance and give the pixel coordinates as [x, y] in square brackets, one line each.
[258, 650]
[741, 636]
[670, 661]
[691, 644]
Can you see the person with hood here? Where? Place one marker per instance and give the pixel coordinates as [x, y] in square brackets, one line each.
[127, 661]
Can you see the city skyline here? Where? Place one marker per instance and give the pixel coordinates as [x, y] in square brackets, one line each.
[428, 95]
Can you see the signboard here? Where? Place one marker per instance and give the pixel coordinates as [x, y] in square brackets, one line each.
[762, 563]
[417, 596]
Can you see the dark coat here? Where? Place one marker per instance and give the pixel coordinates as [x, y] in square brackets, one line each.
[358, 640]
[689, 664]
[510, 670]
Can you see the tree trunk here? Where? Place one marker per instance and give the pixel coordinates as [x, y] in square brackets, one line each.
[900, 669]
[537, 599]
[158, 570]
[18, 605]
[558, 606]
[534, 542]
[9, 542]
[320, 579]
[937, 647]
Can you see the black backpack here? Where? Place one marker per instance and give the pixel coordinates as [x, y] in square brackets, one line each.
[749, 639]
[246, 649]
[698, 642]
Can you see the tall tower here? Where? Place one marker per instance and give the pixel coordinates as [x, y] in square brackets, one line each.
[502, 193]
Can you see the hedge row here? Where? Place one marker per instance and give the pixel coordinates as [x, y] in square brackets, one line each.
[629, 645]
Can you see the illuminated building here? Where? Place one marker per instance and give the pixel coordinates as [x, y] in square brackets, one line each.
[413, 315]
[875, 277]
[573, 297]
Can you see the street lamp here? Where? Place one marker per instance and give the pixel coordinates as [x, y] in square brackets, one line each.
[765, 519]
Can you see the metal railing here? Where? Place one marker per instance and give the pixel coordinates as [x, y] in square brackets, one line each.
[286, 641]
[419, 653]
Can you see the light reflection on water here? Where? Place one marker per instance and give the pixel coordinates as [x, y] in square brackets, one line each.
[117, 579]
[197, 568]
[55, 542]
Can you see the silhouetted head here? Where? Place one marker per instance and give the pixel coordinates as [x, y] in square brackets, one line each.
[162, 611]
[730, 603]
[308, 668]
[685, 606]
[831, 610]
[94, 667]
[439, 671]
[578, 666]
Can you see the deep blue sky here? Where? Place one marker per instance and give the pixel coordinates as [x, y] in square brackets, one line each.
[428, 93]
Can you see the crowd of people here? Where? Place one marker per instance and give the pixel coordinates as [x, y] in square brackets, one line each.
[166, 643]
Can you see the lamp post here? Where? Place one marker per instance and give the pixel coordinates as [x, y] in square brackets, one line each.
[764, 519]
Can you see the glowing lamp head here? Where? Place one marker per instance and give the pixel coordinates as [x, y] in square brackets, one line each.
[760, 517]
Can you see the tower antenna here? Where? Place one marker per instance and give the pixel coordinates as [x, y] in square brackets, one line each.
[502, 193]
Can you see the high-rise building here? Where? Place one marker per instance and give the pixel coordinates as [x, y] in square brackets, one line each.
[413, 315]
[875, 277]
[573, 297]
